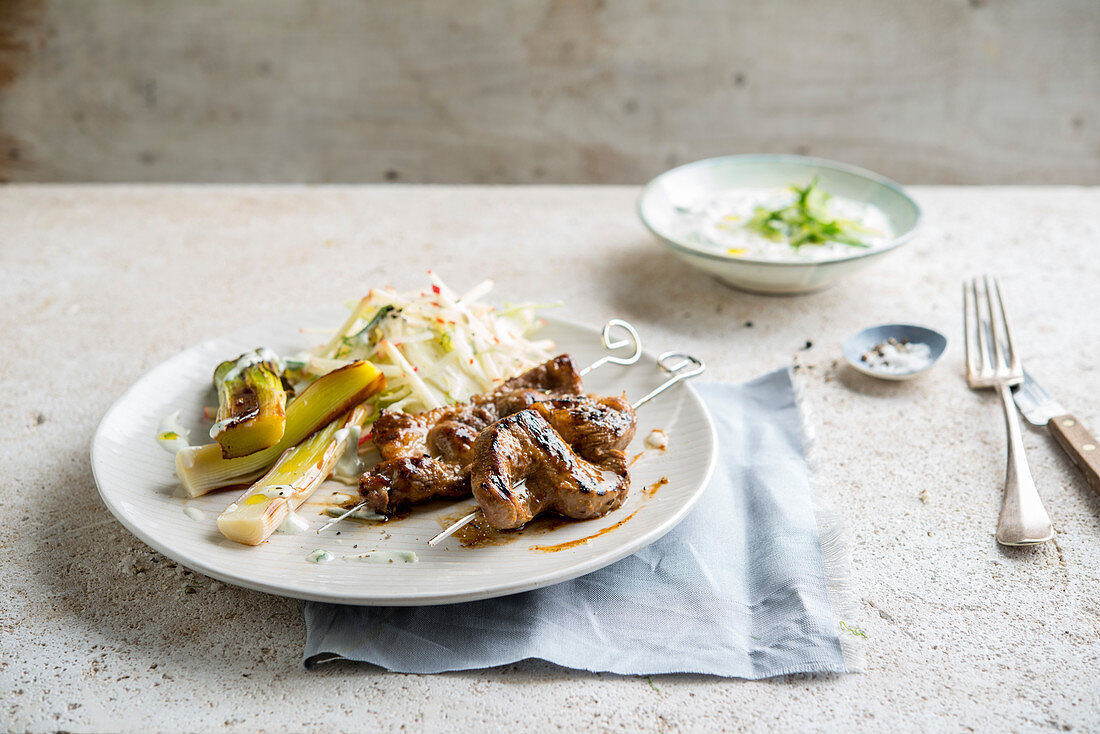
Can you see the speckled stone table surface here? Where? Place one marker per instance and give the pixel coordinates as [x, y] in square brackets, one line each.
[99, 284]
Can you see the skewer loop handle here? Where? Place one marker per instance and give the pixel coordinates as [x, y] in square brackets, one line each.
[628, 336]
[681, 366]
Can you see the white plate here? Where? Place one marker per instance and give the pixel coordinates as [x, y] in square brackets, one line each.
[137, 481]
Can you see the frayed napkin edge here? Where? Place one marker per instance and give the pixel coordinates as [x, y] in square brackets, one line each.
[839, 584]
[821, 668]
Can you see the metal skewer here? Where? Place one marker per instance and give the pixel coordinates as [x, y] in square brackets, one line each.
[337, 519]
[455, 527]
[681, 366]
[631, 338]
[687, 367]
[611, 342]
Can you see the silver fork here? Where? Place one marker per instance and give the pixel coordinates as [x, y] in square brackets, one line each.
[992, 361]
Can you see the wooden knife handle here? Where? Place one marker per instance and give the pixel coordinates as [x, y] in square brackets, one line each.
[1081, 446]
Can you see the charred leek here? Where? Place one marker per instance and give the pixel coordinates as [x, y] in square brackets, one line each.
[251, 403]
[203, 468]
[300, 470]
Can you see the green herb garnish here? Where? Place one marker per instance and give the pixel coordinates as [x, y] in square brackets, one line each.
[364, 335]
[806, 221]
[445, 341]
[374, 321]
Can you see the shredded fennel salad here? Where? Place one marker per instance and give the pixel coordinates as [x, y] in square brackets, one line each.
[435, 348]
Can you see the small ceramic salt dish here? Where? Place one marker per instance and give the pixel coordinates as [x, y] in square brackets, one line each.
[894, 351]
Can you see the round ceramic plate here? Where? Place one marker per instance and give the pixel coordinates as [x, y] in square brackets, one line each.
[137, 481]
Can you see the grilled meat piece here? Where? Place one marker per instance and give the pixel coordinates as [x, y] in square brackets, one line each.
[415, 479]
[591, 425]
[557, 376]
[435, 432]
[435, 446]
[400, 435]
[523, 467]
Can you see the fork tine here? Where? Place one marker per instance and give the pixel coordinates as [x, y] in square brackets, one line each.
[985, 360]
[1014, 359]
[996, 325]
[969, 315]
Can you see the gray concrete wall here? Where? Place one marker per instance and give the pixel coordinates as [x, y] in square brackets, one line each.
[601, 91]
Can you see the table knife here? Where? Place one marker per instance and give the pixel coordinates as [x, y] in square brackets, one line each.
[1040, 409]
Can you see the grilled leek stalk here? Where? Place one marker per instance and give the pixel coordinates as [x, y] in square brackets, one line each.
[300, 470]
[251, 402]
[203, 468]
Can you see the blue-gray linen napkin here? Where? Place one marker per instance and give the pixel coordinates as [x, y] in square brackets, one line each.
[737, 589]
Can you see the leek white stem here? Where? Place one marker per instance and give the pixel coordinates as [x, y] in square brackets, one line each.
[257, 513]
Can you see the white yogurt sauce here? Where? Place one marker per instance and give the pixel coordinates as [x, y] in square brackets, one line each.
[256, 356]
[717, 223]
[349, 466]
[277, 490]
[194, 513]
[361, 514]
[320, 556]
[171, 434]
[657, 439]
[293, 524]
[398, 556]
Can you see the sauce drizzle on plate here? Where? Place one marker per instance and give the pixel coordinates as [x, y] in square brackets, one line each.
[581, 541]
[652, 489]
[480, 533]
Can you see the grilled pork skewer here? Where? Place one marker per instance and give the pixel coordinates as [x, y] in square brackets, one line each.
[427, 455]
[564, 456]
[400, 435]
[413, 471]
[680, 366]
[592, 426]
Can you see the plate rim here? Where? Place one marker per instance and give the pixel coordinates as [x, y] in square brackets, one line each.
[427, 598]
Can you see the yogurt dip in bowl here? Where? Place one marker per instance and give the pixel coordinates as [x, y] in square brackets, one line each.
[776, 223]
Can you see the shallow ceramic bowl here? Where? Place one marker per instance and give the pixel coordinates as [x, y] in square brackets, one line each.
[859, 344]
[664, 200]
